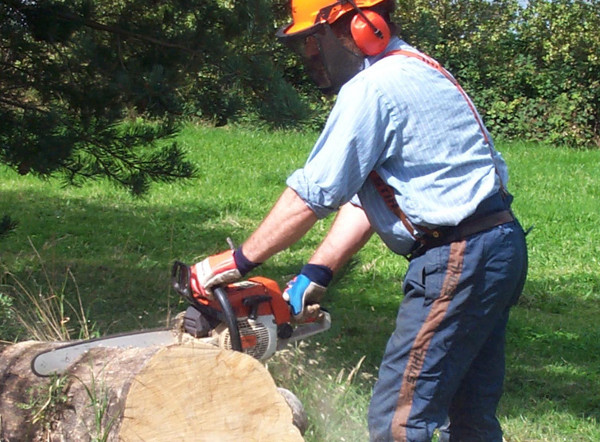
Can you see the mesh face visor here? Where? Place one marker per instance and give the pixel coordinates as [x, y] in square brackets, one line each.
[329, 63]
[297, 41]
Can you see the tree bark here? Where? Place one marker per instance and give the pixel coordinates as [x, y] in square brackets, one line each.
[190, 391]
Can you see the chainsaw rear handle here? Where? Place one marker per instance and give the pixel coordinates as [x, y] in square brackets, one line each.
[180, 278]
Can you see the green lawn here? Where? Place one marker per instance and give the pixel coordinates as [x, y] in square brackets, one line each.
[115, 251]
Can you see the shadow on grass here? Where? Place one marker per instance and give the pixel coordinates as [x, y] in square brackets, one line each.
[119, 251]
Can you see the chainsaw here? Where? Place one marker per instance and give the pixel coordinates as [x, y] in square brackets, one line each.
[250, 316]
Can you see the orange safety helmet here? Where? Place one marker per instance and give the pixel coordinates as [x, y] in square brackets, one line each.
[308, 13]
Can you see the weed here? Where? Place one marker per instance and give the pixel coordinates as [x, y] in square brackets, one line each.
[45, 317]
[9, 329]
[7, 225]
[47, 402]
[98, 395]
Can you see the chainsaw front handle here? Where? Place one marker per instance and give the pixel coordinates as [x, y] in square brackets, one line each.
[180, 278]
[230, 318]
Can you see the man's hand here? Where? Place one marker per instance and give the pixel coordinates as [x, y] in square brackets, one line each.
[224, 268]
[305, 291]
[212, 271]
[303, 296]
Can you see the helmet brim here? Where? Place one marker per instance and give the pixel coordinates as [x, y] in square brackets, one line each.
[296, 31]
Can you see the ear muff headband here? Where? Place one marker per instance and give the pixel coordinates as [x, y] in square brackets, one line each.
[370, 32]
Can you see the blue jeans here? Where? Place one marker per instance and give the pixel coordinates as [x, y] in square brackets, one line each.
[445, 359]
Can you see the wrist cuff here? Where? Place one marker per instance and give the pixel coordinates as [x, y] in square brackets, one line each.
[243, 264]
[318, 273]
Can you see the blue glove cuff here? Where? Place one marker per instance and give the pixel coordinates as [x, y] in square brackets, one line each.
[320, 274]
[243, 264]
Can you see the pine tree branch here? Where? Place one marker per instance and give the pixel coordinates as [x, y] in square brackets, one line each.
[74, 18]
[21, 105]
[71, 17]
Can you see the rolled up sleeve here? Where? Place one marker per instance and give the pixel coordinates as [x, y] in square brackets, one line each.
[345, 153]
[319, 200]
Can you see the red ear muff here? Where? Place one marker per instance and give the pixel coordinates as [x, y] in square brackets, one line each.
[370, 31]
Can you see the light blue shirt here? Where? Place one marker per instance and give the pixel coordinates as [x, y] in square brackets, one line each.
[409, 123]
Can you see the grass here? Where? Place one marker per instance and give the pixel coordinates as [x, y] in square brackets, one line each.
[99, 401]
[553, 388]
[47, 315]
[119, 249]
[46, 403]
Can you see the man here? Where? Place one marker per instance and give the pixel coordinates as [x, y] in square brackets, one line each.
[404, 154]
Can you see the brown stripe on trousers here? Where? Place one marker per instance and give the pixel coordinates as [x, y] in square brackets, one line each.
[416, 356]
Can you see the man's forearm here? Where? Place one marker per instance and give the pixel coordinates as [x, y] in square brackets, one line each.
[289, 219]
[350, 231]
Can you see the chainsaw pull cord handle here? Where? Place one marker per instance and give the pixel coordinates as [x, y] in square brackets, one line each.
[230, 318]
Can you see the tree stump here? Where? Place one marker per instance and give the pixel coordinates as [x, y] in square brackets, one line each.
[190, 392]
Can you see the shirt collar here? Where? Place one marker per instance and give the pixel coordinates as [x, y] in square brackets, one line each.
[394, 44]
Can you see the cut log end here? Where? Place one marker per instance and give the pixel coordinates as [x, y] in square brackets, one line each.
[191, 391]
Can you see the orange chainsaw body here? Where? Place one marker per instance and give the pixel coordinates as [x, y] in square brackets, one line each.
[258, 296]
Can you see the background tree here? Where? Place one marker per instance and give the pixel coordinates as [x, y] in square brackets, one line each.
[557, 70]
[77, 74]
[532, 70]
[94, 88]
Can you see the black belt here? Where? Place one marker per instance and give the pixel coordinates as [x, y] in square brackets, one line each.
[446, 235]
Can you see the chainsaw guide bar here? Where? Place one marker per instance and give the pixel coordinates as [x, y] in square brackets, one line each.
[57, 360]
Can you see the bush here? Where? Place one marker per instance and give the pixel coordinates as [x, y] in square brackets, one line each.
[532, 71]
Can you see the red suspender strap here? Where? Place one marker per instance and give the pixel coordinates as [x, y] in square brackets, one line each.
[387, 192]
[388, 195]
[434, 64]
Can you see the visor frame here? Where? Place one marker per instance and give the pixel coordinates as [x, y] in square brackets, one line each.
[332, 65]
[282, 33]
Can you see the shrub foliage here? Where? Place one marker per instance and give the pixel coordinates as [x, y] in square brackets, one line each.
[533, 71]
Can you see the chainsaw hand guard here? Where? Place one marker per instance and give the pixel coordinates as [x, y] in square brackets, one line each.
[180, 279]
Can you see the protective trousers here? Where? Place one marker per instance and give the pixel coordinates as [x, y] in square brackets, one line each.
[445, 359]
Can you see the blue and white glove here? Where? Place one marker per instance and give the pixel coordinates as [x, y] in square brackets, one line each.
[305, 291]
